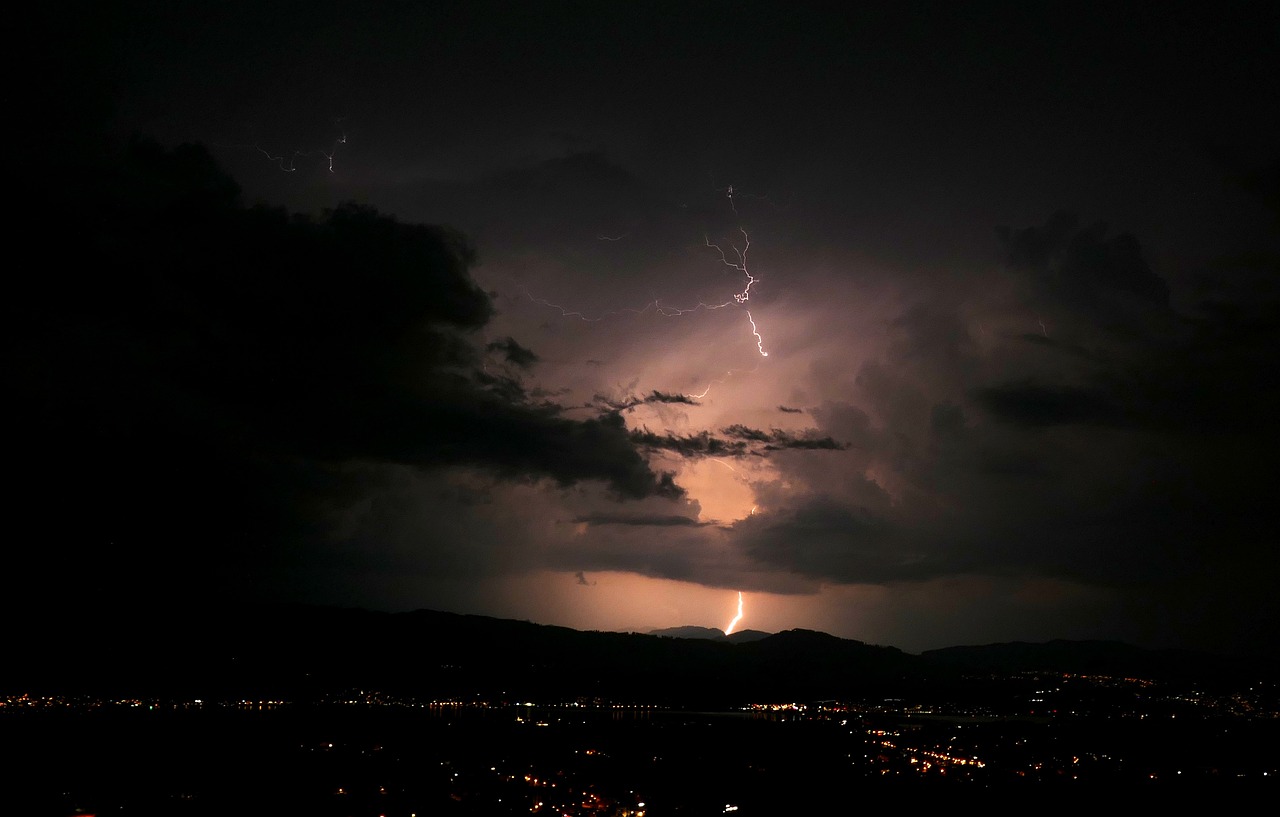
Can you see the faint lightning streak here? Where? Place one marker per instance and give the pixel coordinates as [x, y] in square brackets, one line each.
[718, 381]
[612, 237]
[279, 160]
[675, 311]
[289, 164]
[342, 140]
[725, 464]
[565, 312]
[1040, 320]
[732, 624]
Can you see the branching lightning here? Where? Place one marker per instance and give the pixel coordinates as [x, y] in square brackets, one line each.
[740, 265]
[732, 624]
[342, 140]
[288, 163]
[280, 160]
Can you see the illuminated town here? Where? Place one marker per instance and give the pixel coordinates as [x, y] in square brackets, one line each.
[366, 753]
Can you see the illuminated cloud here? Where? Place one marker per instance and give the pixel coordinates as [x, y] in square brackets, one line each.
[959, 430]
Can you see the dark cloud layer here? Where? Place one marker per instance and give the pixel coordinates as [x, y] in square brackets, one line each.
[636, 520]
[737, 441]
[1128, 449]
[202, 371]
[628, 403]
[513, 352]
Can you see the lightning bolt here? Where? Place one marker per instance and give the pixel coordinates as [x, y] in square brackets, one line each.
[718, 381]
[732, 624]
[342, 140]
[759, 340]
[289, 163]
[566, 312]
[740, 265]
[280, 160]
[739, 298]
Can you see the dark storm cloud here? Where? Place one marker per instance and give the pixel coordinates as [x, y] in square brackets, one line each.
[825, 538]
[1034, 405]
[779, 440]
[701, 444]
[637, 520]
[513, 352]
[628, 403]
[1087, 271]
[218, 365]
[737, 441]
[1124, 449]
[1127, 357]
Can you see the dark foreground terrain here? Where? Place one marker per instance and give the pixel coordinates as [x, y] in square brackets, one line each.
[371, 759]
[349, 714]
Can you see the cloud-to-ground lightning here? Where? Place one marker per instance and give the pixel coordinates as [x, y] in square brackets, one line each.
[732, 624]
[759, 340]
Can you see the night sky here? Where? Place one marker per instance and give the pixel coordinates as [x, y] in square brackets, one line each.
[432, 305]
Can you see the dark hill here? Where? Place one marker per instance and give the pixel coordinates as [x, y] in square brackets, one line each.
[710, 634]
[301, 653]
[743, 636]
